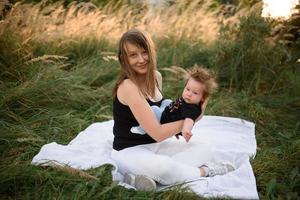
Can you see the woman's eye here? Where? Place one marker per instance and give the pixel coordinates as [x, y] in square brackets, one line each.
[132, 55]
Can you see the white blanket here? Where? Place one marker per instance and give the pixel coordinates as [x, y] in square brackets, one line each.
[233, 139]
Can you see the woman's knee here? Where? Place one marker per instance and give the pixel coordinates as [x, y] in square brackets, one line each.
[163, 172]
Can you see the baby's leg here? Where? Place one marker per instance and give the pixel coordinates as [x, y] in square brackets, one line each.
[139, 130]
[157, 111]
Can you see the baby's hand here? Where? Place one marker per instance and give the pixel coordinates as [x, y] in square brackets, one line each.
[187, 134]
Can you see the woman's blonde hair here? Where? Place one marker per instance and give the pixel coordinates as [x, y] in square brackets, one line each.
[141, 39]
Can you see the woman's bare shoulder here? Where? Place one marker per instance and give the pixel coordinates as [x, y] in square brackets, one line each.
[157, 72]
[127, 90]
[159, 79]
[127, 85]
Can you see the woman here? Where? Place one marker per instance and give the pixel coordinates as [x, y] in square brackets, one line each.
[144, 159]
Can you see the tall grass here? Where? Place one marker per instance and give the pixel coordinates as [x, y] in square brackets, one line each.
[40, 22]
[247, 59]
[58, 66]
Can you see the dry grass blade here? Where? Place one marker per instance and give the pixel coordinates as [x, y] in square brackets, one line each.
[46, 59]
[74, 172]
[178, 71]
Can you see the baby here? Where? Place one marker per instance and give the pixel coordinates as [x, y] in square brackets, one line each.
[199, 86]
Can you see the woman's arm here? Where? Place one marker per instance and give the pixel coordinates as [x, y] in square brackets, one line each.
[129, 94]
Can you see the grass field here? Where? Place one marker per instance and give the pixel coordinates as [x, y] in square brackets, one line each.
[58, 66]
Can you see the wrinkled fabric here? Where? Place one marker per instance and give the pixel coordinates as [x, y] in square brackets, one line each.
[233, 140]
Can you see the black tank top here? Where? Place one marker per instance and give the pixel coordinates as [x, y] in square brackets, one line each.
[123, 121]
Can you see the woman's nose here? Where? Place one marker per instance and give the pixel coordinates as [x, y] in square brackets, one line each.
[140, 58]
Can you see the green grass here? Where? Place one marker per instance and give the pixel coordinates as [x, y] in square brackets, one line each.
[51, 92]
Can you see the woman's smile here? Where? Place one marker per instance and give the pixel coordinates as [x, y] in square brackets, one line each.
[144, 66]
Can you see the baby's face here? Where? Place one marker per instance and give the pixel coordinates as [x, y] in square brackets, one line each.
[193, 91]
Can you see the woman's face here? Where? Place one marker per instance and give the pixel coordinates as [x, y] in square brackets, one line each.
[138, 58]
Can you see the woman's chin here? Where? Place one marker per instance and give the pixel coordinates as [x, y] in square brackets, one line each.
[142, 71]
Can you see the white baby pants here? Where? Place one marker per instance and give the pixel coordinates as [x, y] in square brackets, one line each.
[168, 162]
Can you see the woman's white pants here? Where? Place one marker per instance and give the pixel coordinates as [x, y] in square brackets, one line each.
[167, 162]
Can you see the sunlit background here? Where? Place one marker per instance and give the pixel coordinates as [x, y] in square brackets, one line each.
[279, 8]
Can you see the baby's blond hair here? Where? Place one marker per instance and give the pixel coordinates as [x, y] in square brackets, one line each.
[204, 76]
